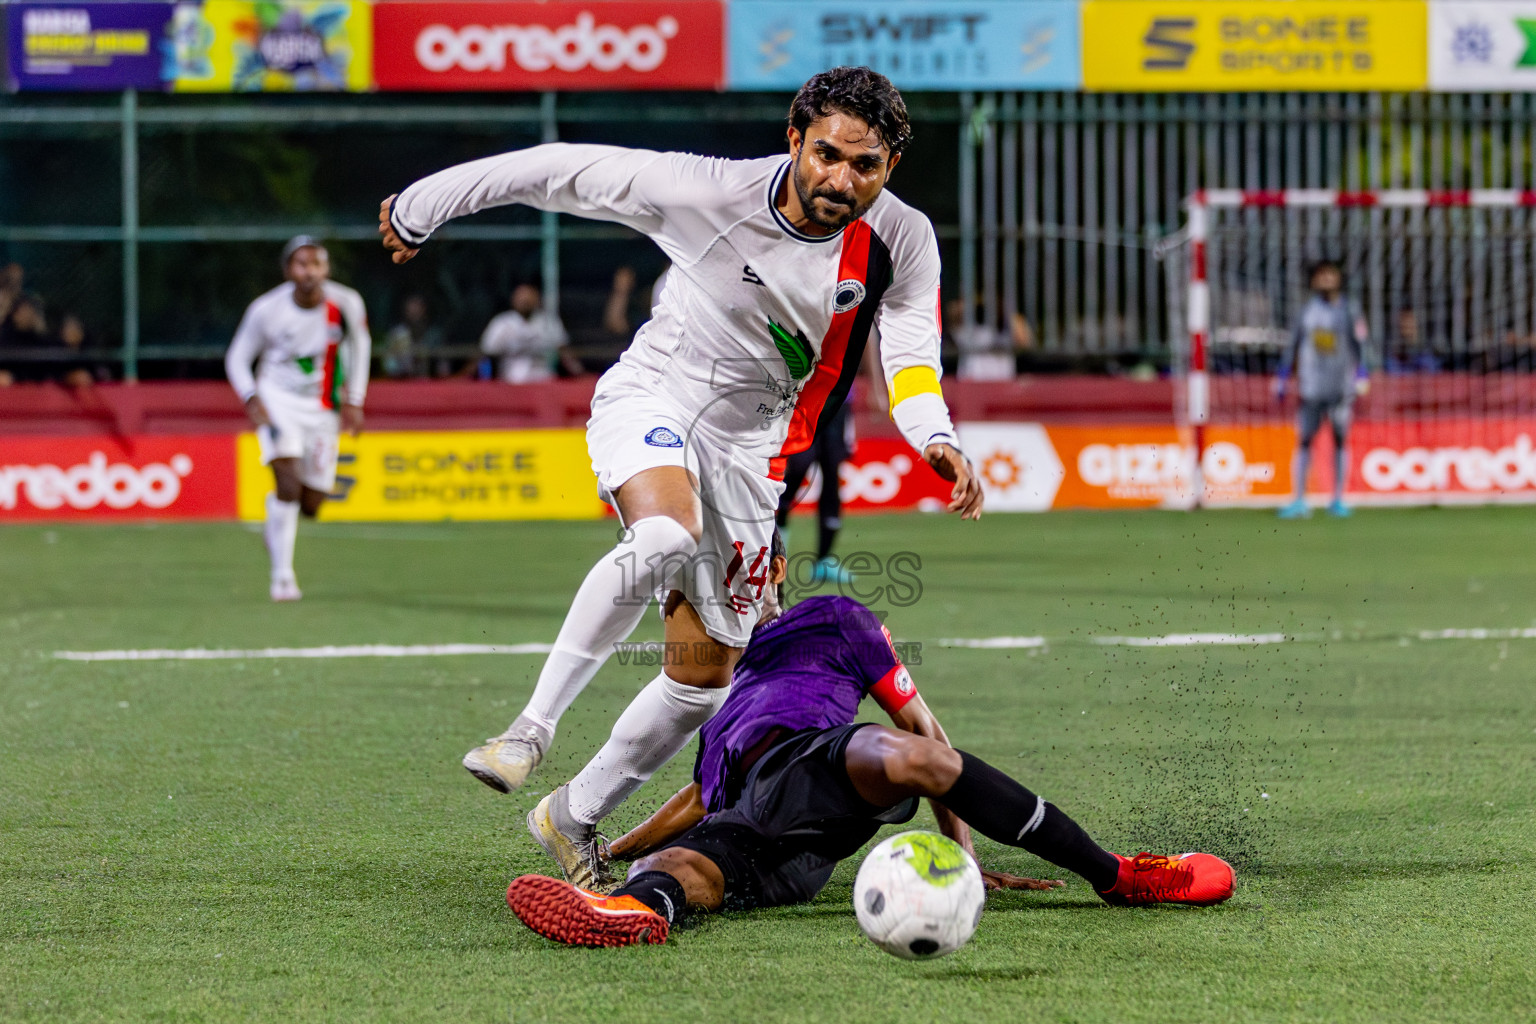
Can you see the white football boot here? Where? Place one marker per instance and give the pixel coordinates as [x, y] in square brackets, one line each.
[504, 762]
[286, 588]
[579, 849]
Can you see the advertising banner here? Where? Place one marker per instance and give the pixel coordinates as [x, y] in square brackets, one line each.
[918, 44]
[90, 46]
[617, 44]
[246, 46]
[49, 478]
[424, 476]
[1451, 460]
[1264, 45]
[1482, 44]
[883, 475]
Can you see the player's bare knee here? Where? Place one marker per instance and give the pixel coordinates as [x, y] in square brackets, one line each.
[701, 879]
[920, 764]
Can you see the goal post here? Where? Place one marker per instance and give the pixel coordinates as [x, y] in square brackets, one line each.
[1445, 282]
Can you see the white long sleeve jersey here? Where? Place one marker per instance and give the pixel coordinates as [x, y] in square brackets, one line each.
[320, 353]
[759, 329]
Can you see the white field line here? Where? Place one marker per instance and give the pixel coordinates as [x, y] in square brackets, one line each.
[978, 643]
[1191, 640]
[350, 651]
[993, 642]
[1478, 634]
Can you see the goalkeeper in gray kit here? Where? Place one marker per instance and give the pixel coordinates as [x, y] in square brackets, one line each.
[1327, 353]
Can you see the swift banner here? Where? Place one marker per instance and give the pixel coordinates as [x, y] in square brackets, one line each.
[92, 46]
[617, 44]
[937, 44]
[1482, 44]
[420, 476]
[246, 46]
[1274, 45]
[46, 478]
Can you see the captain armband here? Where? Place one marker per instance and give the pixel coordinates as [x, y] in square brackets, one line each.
[895, 690]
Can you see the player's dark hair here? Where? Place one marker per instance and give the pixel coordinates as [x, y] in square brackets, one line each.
[858, 92]
[1326, 263]
[778, 549]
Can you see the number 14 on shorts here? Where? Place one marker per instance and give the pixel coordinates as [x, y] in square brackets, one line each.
[757, 576]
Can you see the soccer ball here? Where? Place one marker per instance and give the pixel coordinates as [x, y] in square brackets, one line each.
[919, 895]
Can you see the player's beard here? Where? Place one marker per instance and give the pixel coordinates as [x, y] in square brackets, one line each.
[848, 208]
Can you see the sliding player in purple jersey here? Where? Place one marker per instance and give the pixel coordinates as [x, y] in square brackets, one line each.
[786, 784]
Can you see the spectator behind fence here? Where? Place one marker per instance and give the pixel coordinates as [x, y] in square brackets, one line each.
[1407, 352]
[985, 353]
[12, 284]
[529, 340]
[411, 344]
[24, 327]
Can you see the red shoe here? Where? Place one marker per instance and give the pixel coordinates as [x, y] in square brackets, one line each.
[1196, 879]
[560, 911]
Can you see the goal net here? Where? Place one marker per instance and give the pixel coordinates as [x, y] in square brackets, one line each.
[1444, 282]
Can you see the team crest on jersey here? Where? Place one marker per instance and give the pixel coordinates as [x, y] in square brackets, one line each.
[848, 295]
[662, 437]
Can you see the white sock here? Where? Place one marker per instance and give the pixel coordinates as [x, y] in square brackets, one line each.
[280, 531]
[657, 724]
[606, 609]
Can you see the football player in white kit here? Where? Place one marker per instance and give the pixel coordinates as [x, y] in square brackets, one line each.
[311, 337]
[780, 268]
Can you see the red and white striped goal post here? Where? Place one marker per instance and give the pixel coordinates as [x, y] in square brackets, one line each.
[1198, 311]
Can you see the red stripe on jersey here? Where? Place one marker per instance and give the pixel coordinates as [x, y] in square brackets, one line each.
[330, 385]
[853, 264]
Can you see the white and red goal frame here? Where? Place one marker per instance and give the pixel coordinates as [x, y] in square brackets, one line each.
[1198, 297]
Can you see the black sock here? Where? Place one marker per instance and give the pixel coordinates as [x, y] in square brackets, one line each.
[826, 535]
[1001, 809]
[659, 891]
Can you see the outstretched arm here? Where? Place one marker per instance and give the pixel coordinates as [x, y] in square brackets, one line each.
[600, 182]
[676, 816]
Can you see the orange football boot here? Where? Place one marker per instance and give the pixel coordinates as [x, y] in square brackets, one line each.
[1196, 879]
[559, 910]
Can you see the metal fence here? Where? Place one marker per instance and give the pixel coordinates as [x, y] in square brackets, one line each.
[1070, 193]
[1048, 204]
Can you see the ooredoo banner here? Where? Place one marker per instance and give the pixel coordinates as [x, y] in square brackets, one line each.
[883, 475]
[617, 44]
[43, 478]
[918, 44]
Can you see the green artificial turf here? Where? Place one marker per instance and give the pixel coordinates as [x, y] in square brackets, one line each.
[294, 839]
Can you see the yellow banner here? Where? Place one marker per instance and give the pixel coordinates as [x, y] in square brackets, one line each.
[295, 46]
[1144, 45]
[411, 476]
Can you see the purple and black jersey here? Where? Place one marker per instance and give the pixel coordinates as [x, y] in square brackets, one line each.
[807, 669]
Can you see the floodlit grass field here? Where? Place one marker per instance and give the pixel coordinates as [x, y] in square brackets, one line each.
[294, 839]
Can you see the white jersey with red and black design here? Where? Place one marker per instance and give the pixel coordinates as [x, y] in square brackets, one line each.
[319, 354]
[759, 329]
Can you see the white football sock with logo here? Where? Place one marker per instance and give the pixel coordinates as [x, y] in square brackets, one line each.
[280, 531]
[606, 609]
[658, 724]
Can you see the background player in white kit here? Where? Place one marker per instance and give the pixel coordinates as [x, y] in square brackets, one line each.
[311, 337]
[780, 268]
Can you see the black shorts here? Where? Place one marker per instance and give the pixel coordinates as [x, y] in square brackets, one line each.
[798, 815]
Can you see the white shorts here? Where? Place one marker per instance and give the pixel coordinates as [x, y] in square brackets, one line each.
[632, 430]
[301, 428]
